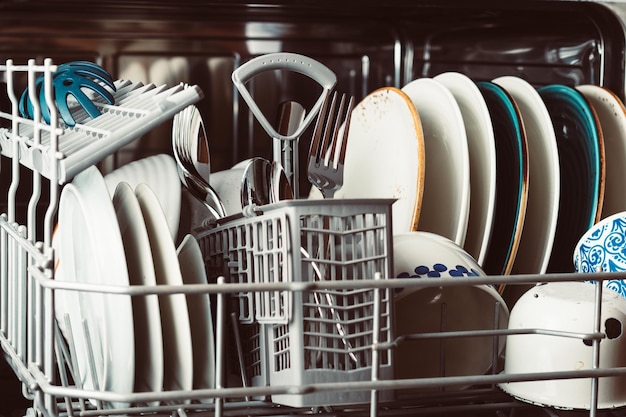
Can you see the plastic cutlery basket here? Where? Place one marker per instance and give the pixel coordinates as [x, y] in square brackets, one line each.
[308, 337]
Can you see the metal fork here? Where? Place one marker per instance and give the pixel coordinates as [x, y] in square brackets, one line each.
[328, 147]
[325, 171]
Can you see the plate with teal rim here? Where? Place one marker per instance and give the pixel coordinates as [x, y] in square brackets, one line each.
[581, 158]
[511, 180]
[542, 208]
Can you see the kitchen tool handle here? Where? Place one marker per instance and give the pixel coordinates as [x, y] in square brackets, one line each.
[285, 61]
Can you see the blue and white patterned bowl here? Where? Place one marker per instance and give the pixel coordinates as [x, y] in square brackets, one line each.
[603, 248]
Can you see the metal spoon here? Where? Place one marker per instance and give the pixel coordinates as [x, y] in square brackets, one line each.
[264, 182]
[183, 128]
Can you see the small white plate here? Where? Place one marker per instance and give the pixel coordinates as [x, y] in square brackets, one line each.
[147, 317]
[385, 155]
[482, 154]
[159, 172]
[177, 349]
[445, 206]
[544, 187]
[612, 115]
[200, 316]
[90, 250]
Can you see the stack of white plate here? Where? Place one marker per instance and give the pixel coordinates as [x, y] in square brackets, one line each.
[513, 173]
[120, 231]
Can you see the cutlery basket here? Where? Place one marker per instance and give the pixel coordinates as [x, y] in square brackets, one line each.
[305, 337]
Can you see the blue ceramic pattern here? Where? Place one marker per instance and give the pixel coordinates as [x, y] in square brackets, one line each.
[605, 249]
[437, 271]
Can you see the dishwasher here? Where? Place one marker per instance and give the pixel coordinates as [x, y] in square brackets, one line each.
[295, 313]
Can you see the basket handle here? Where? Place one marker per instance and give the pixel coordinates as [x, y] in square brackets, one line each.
[285, 61]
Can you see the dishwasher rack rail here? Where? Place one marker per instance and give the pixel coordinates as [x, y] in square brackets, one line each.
[42, 360]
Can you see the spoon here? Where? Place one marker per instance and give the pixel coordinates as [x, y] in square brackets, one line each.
[187, 129]
[264, 182]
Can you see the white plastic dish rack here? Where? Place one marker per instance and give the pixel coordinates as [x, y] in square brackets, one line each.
[41, 359]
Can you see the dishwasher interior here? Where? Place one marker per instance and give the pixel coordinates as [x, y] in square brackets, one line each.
[367, 46]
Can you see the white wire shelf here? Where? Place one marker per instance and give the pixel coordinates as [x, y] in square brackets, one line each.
[60, 153]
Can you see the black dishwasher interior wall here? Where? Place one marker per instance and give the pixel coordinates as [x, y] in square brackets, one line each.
[367, 45]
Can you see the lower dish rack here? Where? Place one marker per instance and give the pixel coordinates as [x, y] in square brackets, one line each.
[303, 301]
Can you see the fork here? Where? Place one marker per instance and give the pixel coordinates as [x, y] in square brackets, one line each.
[327, 153]
[325, 171]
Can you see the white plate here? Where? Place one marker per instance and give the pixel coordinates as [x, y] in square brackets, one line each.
[542, 207]
[482, 154]
[385, 155]
[200, 316]
[178, 366]
[424, 255]
[445, 206]
[90, 250]
[159, 172]
[612, 115]
[147, 317]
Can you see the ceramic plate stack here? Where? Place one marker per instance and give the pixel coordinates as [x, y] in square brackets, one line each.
[90, 250]
[138, 344]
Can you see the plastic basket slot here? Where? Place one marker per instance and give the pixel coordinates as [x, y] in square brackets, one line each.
[272, 264]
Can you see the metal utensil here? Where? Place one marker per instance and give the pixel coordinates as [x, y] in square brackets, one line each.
[284, 148]
[328, 147]
[255, 184]
[290, 117]
[264, 182]
[182, 131]
[331, 303]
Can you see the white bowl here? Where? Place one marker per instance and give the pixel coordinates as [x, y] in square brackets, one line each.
[603, 248]
[566, 306]
[420, 310]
